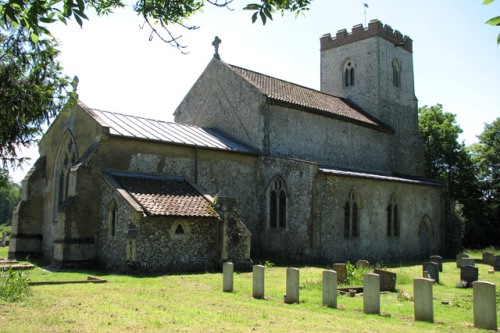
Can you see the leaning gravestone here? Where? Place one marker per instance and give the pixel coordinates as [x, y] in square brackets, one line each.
[459, 257]
[341, 271]
[387, 280]
[469, 274]
[432, 269]
[4, 239]
[488, 258]
[438, 260]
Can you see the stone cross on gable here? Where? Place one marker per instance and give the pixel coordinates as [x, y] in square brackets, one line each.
[216, 44]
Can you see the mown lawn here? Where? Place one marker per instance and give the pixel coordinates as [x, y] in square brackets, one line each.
[196, 303]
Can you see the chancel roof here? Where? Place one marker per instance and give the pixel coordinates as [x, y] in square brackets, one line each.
[163, 196]
[288, 93]
[162, 131]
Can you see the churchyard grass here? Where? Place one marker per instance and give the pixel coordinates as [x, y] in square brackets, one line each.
[196, 303]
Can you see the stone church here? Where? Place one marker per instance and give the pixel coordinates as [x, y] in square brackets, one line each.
[252, 167]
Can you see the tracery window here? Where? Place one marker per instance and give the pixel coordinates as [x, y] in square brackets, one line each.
[277, 204]
[349, 74]
[67, 158]
[393, 218]
[351, 223]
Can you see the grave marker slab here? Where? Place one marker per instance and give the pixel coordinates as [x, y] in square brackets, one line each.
[432, 269]
[466, 262]
[438, 260]
[387, 279]
[484, 302]
[330, 289]
[341, 270]
[258, 281]
[4, 240]
[292, 285]
[361, 263]
[496, 263]
[469, 274]
[371, 293]
[488, 258]
[227, 277]
[460, 256]
[423, 305]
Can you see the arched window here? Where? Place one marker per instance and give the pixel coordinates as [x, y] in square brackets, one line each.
[396, 73]
[66, 158]
[351, 223]
[393, 218]
[349, 74]
[277, 204]
[112, 218]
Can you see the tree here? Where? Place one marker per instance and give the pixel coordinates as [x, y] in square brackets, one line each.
[35, 15]
[32, 90]
[495, 21]
[448, 160]
[486, 155]
[9, 197]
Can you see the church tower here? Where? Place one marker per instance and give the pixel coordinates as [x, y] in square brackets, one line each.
[373, 67]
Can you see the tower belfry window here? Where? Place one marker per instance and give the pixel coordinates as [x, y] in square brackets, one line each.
[349, 74]
[396, 74]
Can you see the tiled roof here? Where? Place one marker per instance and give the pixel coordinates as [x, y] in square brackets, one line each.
[158, 130]
[314, 100]
[164, 196]
[359, 174]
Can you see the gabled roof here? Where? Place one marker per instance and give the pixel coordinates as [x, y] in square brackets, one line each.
[287, 93]
[161, 131]
[163, 196]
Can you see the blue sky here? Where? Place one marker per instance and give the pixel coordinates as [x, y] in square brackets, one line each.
[456, 57]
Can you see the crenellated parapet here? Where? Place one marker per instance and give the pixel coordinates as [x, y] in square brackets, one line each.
[375, 28]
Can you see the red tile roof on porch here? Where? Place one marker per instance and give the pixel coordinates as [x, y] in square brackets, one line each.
[164, 196]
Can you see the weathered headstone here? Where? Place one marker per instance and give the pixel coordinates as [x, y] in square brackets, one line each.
[467, 262]
[361, 263]
[469, 274]
[4, 239]
[387, 279]
[459, 257]
[423, 305]
[292, 285]
[485, 310]
[330, 289]
[432, 269]
[341, 270]
[258, 281]
[488, 258]
[438, 260]
[496, 263]
[371, 293]
[227, 277]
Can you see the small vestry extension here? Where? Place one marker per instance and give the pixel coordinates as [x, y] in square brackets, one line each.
[253, 166]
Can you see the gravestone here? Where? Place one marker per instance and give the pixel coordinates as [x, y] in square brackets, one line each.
[341, 270]
[459, 257]
[496, 264]
[330, 289]
[4, 239]
[423, 305]
[488, 258]
[432, 269]
[258, 281]
[387, 280]
[227, 277]
[361, 263]
[467, 262]
[371, 293]
[484, 302]
[438, 260]
[292, 285]
[469, 274]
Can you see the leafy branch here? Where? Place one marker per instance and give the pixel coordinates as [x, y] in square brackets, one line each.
[495, 21]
